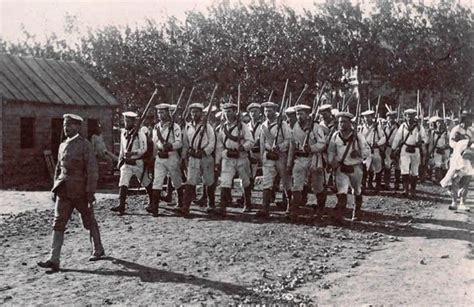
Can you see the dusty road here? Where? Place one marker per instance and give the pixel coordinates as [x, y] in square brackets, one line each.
[404, 252]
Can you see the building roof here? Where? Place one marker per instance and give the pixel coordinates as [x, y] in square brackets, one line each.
[50, 81]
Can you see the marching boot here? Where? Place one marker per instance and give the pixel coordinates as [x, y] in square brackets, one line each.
[378, 182]
[370, 180]
[406, 184]
[226, 198]
[97, 248]
[397, 180]
[155, 203]
[201, 202]
[321, 202]
[169, 191]
[180, 192]
[304, 195]
[454, 197]
[211, 196]
[413, 181]
[364, 177]
[340, 207]
[386, 178]
[123, 190]
[293, 206]
[356, 213]
[149, 191]
[264, 212]
[55, 254]
[247, 199]
[190, 193]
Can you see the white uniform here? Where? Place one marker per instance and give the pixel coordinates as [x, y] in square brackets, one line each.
[336, 151]
[307, 163]
[439, 148]
[171, 164]
[255, 130]
[410, 151]
[270, 168]
[389, 131]
[199, 167]
[127, 171]
[232, 165]
[376, 139]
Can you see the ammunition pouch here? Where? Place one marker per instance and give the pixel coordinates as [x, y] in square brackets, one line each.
[273, 156]
[440, 151]
[163, 154]
[131, 162]
[195, 154]
[355, 154]
[302, 154]
[410, 149]
[256, 149]
[232, 154]
[346, 169]
[253, 160]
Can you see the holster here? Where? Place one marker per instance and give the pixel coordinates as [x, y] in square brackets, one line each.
[410, 149]
[232, 154]
[163, 154]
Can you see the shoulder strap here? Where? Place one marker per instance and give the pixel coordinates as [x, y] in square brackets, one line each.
[348, 146]
[228, 134]
[159, 135]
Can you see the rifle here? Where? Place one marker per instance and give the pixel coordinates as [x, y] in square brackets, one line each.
[301, 94]
[185, 112]
[376, 128]
[206, 118]
[280, 115]
[239, 123]
[137, 127]
[270, 96]
[314, 114]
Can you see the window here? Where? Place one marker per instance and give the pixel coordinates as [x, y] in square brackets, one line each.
[27, 132]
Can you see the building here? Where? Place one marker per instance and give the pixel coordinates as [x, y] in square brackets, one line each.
[34, 94]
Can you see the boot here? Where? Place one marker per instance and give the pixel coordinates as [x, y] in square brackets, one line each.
[211, 196]
[397, 180]
[203, 200]
[370, 179]
[55, 254]
[156, 194]
[413, 181]
[169, 191]
[340, 207]
[293, 206]
[180, 192]
[386, 178]
[364, 177]
[264, 212]
[321, 202]
[190, 192]
[356, 213]
[149, 192]
[226, 198]
[123, 190]
[247, 199]
[406, 184]
[285, 199]
[378, 182]
[304, 197]
[97, 248]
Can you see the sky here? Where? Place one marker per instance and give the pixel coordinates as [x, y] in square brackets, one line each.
[41, 17]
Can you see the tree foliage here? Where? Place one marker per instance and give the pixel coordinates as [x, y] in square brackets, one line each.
[399, 45]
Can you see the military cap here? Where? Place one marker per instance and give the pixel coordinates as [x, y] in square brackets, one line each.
[269, 104]
[392, 113]
[73, 118]
[368, 112]
[466, 114]
[345, 114]
[253, 105]
[214, 108]
[196, 105]
[302, 107]
[130, 114]
[163, 106]
[218, 114]
[410, 111]
[334, 112]
[226, 106]
[325, 107]
[290, 110]
[434, 119]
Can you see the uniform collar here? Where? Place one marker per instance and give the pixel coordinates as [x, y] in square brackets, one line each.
[69, 139]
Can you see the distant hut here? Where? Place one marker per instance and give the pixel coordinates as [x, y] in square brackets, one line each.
[34, 94]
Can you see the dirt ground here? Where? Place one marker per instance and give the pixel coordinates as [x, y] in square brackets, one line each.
[404, 252]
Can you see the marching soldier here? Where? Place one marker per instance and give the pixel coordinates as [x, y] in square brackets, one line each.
[255, 126]
[346, 152]
[274, 143]
[75, 183]
[373, 134]
[234, 141]
[167, 140]
[328, 123]
[438, 147]
[305, 158]
[464, 131]
[407, 144]
[199, 142]
[390, 130]
[134, 164]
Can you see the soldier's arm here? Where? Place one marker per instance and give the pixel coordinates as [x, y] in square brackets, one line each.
[332, 149]
[211, 140]
[320, 144]
[248, 138]
[219, 147]
[262, 141]
[178, 139]
[291, 152]
[142, 144]
[186, 144]
[92, 170]
[285, 130]
[398, 138]
[364, 146]
[382, 139]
